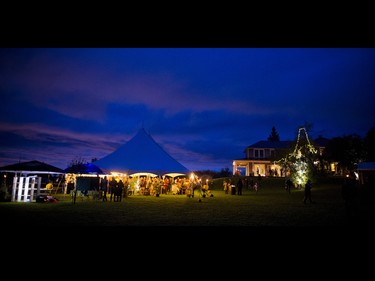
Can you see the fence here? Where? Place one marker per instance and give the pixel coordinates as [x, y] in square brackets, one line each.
[26, 189]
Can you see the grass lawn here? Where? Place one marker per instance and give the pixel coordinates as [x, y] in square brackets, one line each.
[270, 206]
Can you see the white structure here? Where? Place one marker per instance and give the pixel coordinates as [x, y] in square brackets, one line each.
[25, 189]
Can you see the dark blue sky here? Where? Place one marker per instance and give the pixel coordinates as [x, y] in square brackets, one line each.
[202, 105]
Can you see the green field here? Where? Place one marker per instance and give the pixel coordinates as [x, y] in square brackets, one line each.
[270, 206]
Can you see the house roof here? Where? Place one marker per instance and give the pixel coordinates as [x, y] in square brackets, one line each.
[141, 154]
[321, 141]
[271, 144]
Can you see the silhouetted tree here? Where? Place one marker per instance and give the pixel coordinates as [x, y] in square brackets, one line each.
[348, 151]
[223, 173]
[369, 145]
[274, 136]
[77, 162]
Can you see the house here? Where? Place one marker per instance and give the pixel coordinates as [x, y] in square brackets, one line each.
[261, 157]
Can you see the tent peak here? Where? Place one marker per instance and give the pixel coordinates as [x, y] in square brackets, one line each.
[141, 154]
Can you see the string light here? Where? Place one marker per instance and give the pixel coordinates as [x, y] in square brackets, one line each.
[298, 160]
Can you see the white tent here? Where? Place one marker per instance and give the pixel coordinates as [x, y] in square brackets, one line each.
[141, 154]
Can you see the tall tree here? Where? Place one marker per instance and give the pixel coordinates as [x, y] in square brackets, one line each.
[348, 150]
[76, 162]
[274, 136]
[300, 162]
[369, 143]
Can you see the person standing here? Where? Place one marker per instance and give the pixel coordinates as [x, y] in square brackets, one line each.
[104, 188]
[119, 191]
[239, 186]
[112, 188]
[256, 187]
[307, 192]
[225, 187]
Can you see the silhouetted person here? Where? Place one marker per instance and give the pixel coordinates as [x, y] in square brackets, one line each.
[104, 188]
[70, 186]
[307, 192]
[120, 189]
[233, 189]
[350, 195]
[239, 186]
[112, 188]
[288, 185]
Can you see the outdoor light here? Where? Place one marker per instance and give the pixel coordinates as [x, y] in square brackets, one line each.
[300, 169]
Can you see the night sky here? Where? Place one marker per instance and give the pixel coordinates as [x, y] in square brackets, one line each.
[204, 106]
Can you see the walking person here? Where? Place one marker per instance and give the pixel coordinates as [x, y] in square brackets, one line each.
[307, 192]
[288, 185]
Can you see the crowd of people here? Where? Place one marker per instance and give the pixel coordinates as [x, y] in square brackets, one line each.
[235, 186]
[115, 188]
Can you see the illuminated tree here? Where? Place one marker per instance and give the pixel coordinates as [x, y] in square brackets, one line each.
[300, 162]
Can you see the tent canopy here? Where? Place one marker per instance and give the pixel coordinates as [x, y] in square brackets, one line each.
[173, 175]
[143, 175]
[141, 154]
